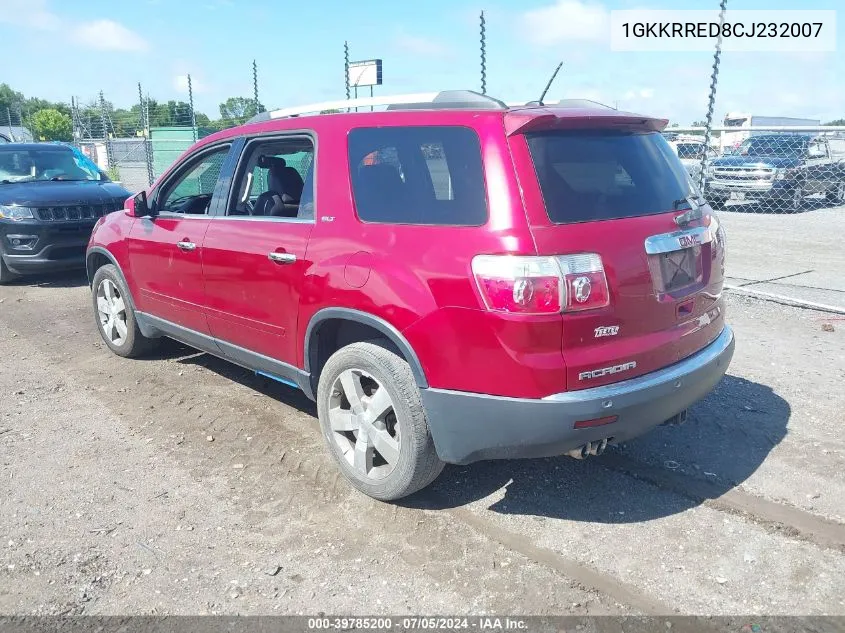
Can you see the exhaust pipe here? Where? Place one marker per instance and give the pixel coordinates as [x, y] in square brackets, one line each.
[581, 452]
[590, 448]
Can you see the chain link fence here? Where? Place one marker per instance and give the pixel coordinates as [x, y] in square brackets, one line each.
[137, 145]
[776, 169]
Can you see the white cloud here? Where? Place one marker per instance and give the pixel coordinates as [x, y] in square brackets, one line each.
[418, 45]
[108, 35]
[180, 83]
[641, 93]
[32, 14]
[566, 21]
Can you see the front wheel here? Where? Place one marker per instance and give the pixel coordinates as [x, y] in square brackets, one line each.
[374, 423]
[6, 275]
[796, 200]
[115, 315]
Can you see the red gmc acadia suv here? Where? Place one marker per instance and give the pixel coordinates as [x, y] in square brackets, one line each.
[451, 279]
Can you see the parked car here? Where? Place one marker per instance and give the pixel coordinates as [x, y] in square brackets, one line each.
[690, 151]
[50, 197]
[451, 280]
[778, 169]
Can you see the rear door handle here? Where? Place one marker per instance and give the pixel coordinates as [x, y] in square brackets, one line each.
[185, 245]
[282, 258]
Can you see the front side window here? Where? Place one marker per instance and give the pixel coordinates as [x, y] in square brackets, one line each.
[817, 150]
[418, 175]
[276, 180]
[191, 192]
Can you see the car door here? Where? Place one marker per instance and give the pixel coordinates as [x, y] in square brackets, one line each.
[166, 250]
[255, 252]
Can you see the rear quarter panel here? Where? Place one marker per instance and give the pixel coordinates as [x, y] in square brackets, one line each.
[419, 278]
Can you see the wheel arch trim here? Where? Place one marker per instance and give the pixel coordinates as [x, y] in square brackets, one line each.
[99, 250]
[377, 323]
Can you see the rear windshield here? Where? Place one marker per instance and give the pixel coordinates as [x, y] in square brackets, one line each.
[604, 175]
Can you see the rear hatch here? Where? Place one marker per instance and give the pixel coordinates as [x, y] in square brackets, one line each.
[613, 187]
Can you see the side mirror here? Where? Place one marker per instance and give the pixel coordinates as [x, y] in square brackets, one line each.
[138, 206]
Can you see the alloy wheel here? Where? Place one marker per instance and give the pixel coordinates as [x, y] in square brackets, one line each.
[363, 424]
[111, 310]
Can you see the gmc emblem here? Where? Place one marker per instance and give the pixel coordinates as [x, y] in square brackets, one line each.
[686, 241]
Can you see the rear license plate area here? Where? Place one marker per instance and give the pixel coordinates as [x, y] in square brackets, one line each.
[677, 271]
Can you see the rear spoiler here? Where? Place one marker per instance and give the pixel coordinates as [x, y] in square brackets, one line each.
[524, 120]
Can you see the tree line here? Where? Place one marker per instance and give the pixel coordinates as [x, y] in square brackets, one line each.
[53, 121]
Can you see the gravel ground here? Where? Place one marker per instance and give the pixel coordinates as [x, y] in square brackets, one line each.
[799, 255]
[182, 484]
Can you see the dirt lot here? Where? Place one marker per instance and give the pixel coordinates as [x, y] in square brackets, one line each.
[798, 255]
[182, 484]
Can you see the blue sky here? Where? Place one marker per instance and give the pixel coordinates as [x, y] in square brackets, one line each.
[55, 49]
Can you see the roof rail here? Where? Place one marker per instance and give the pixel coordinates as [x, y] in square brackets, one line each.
[563, 103]
[582, 103]
[446, 99]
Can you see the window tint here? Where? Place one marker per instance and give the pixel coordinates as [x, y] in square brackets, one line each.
[276, 180]
[602, 175]
[191, 193]
[418, 175]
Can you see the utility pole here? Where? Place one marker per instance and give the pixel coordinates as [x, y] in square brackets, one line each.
[255, 86]
[483, 56]
[191, 102]
[346, 66]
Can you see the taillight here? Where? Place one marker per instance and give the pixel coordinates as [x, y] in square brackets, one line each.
[541, 285]
[585, 285]
[520, 284]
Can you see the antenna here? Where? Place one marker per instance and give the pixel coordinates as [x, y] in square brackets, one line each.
[549, 85]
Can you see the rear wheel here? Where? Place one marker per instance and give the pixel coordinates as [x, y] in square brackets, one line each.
[837, 194]
[115, 315]
[6, 275]
[374, 423]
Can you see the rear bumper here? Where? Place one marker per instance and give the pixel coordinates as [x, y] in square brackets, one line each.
[468, 427]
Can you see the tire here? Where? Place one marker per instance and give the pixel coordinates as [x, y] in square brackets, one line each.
[384, 457]
[6, 275]
[795, 202]
[837, 194]
[126, 341]
[717, 203]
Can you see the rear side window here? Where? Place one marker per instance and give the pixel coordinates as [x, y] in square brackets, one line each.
[418, 175]
[604, 175]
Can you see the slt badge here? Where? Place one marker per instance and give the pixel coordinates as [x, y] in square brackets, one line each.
[609, 330]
